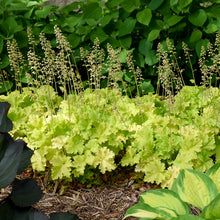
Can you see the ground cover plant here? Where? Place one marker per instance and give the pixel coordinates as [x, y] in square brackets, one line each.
[96, 129]
[130, 24]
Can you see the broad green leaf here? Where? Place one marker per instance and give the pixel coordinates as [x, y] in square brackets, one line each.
[183, 4]
[125, 42]
[195, 188]
[151, 58]
[198, 18]
[123, 56]
[164, 198]
[214, 174]
[188, 217]
[92, 11]
[153, 5]
[5, 86]
[144, 211]
[173, 20]
[195, 36]
[144, 16]
[130, 5]
[74, 40]
[199, 45]
[1, 44]
[212, 210]
[211, 28]
[98, 33]
[147, 86]
[44, 12]
[126, 27]
[145, 46]
[153, 35]
[72, 21]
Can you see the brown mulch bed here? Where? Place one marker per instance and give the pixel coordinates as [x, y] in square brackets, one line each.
[108, 202]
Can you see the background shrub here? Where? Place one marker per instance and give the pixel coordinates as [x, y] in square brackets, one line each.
[131, 24]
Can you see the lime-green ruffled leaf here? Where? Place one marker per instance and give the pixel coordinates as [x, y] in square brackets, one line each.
[195, 188]
[61, 166]
[212, 211]
[105, 159]
[144, 16]
[164, 198]
[214, 174]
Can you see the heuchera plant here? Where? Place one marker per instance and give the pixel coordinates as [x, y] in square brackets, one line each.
[87, 131]
[190, 188]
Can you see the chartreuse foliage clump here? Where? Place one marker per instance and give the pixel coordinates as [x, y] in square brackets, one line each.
[89, 130]
[14, 158]
[191, 187]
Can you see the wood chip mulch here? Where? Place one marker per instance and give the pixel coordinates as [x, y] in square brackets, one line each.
[106, 202]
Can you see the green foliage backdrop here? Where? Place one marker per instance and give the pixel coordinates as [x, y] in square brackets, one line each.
[130, 24]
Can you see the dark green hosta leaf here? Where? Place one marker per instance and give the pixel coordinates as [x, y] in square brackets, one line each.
[130, 5]
[5, 140]
[126, 27]
[34, 215]
[144, 16]
[26, 159]
[5, 123]
[10, 162]
[64, 216]
[198, 18]
[25, 192]
[8, 211]
[155, 4]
